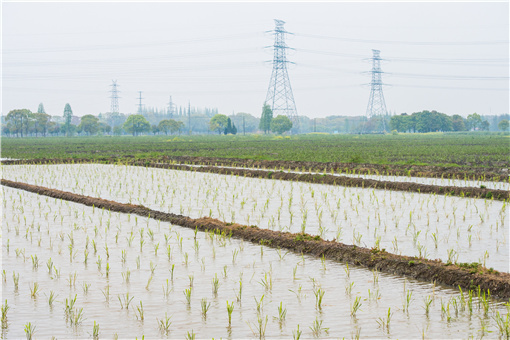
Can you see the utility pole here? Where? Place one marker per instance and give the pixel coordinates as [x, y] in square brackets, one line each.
[315, 125]
[376, 104]
[244, 127]
[279, 93]
[140, 103]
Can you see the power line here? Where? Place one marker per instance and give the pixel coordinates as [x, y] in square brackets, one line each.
[371, 41]
[135, 45]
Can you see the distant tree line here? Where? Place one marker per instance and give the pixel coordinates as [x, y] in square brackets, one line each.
[24, 123]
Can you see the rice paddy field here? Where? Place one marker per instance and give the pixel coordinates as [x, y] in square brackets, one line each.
[72, 271]
[453, 229]
[75, 271]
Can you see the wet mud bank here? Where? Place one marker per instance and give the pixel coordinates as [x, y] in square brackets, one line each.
[467, 276]
[306, 177]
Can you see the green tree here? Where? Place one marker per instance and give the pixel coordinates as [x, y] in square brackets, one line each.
[399, 122]
[485, 125]
[104, 128]
[89, 124]
[266, 118]
[68, 115]
[229, 128]
[117, 130]
[136, 124]
[458, 123]
[503, 125]
[40, 109]
[40, 122]
[17, 121]
[218, 123]
[165, 126]
[176, 126]
[281, 124]
[474, 121]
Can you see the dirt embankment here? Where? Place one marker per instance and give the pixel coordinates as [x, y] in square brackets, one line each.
[308, 178]
[467, 277]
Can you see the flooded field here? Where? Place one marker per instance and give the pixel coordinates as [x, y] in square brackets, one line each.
[405, 179]
[450, 228]
[68, 267]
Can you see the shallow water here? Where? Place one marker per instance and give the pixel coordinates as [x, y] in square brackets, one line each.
[406, 179]
[44, 227]
[426, 225]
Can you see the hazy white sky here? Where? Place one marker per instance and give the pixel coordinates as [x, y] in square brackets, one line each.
[449, 57]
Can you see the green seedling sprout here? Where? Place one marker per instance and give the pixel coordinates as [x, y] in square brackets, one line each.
[230, 309]
[164, 324]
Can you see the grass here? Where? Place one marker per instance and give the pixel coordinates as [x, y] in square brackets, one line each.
[448, 149]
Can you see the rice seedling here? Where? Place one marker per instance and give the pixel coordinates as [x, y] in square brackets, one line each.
[106, 293]
[149, 282]
[125, 301]
[407, 301]
[190, 336]
[85, 287]
[355, 306]
[503, 324]
[164, 324]
[230, 309]
[317, 328]
[239, 294]
[319, 295]
[15, 279]
[35, 262]
[126, 275]
[34, 290]
[384, 323]
[267, 281]
[139, 312]
[427, 302]
[215, 284]
[95, 331]
[29, 330]
[259, 303]
[187, 294]
[5, 308]
[205, 307]
[282, 313]
[260, 326]
[296, 335]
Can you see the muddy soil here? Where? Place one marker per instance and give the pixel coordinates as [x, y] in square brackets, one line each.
[465, 276]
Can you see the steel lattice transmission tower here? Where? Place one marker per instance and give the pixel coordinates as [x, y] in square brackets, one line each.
[114, 108]
[376, 104]
[279, 93]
